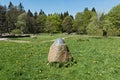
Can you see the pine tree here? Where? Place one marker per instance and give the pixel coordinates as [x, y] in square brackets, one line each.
[20, 8]
[93, 10]
[11, 17]
[10, 5]
[29, 13]
[66, 14]
[35, 15]
[2, 19]
[41, 20]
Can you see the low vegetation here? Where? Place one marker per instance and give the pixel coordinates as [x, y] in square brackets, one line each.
[97, 58]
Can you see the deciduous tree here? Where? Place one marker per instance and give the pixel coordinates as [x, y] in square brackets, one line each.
[53, 23]
[21, 23]
[67, 24]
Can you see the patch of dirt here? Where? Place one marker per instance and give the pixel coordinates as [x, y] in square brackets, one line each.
[4, 39]
[17, 41]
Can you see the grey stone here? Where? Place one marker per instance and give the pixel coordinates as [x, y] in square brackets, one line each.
[59, 51]
[59, 41]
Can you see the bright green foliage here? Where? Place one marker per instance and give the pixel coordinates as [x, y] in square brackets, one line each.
[111, 29]
[98, 58]
[67, 24]
[77, 24]
[53, 23]
[86, 20]
[95, 25]
[16, 31]
[82, 19]
[114, 18]
[21, 23]
[92, 28]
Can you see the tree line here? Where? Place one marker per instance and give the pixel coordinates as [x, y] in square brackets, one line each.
[14, 19]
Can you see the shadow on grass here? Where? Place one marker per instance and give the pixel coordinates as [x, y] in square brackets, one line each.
[1, 67]
[62, 64]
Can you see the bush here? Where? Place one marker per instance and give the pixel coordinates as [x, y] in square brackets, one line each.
[17, 31]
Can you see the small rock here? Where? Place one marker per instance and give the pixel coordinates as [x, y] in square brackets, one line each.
[59, 52]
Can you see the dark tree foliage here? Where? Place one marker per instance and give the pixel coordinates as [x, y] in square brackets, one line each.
[2, 19]
[71, 16]
[41, 20]
[104, 33]
[31, 22]
[35, 15]
[10, 5]
[11, 17]
[29, 13]
[62, 16]
[20, 8]
[93, 10]
[65, 14]
[86, 9]
[41, 12]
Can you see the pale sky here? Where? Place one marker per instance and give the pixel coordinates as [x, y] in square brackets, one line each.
[58, 6]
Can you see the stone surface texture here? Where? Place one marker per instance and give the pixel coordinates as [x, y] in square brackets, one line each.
[59, 51]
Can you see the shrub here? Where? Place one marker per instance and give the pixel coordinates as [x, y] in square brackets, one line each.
[17, 31]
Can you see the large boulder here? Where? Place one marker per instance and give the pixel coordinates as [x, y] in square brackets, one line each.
[59, 51]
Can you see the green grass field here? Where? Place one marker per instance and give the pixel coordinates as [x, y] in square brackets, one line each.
[97, 58]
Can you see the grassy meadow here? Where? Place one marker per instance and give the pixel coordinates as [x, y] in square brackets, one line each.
[97, 58]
